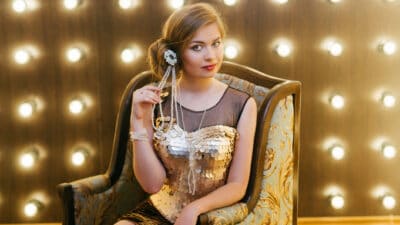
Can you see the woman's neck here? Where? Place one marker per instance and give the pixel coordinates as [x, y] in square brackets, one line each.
[195, 84]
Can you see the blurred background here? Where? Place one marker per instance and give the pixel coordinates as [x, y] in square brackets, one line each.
[65, 63]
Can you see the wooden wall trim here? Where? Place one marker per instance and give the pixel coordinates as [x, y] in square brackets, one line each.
[364, 220]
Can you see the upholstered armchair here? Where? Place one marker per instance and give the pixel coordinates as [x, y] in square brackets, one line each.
[271, 196]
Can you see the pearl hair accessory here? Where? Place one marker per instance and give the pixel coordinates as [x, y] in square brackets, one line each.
[176, 115]
[171, 58]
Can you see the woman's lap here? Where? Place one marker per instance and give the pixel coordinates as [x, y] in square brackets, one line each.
[145, 214]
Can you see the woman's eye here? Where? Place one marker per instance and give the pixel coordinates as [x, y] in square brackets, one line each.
[196, 47]
[217, 43]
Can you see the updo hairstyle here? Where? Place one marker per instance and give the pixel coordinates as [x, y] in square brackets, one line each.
[178, 30]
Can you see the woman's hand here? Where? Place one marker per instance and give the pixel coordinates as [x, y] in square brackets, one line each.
[188, 216]
[142, 101]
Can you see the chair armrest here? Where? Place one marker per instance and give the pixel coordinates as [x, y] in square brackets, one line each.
[94, 200]
[91, 185]
[83, 188]
[98, 200]
[227, 215]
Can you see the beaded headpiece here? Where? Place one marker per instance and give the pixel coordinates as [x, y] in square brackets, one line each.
[171, 59]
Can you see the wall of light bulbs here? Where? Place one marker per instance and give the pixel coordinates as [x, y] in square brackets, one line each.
[65, 63]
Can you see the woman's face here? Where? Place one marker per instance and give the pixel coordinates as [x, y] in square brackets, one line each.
[203, 55]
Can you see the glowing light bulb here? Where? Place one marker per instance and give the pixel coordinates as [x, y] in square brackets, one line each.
[71, 4]
[129, 55]
[22, 56]
[337, 152]
[176, 4]
[388, 100]
[283, 49]
[337, 101]
[128, 4]
[79, 157]
[231, 51]
[74, 54]
[32, 208]
[26, 109]
[388, 201]
[388, 47]
[335, 49]
[337, 201]
[19, 6]
[335, 1]
[281, 1]
[28, 159]
[388, 151]
[76, 106]
[230, 2]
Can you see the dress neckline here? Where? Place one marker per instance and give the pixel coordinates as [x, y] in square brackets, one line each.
[208, 109]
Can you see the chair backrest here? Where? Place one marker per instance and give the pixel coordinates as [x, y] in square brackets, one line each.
[273, 182]
[273, 168]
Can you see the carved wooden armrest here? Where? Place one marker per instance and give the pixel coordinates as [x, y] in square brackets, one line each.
[227, 215]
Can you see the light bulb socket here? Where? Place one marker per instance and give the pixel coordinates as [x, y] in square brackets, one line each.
[81, 150]
[33, 151]
[37, 203]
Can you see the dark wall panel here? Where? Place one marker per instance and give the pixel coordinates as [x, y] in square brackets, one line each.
[359, 74]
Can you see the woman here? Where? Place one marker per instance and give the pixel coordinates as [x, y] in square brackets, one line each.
[195, 154]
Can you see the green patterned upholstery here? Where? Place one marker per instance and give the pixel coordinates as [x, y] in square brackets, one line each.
[256, 91]
[275, 205]
[95, 206]
[101, 199]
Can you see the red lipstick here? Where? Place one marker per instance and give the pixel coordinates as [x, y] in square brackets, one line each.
[209, 67]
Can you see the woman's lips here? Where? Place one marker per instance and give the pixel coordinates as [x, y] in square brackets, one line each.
[209, 67]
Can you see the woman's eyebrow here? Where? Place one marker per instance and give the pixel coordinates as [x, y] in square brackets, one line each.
[202, 42]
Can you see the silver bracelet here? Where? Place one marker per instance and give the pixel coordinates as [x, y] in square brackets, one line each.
[139, 135]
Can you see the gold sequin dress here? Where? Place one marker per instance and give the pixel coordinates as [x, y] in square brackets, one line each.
[196, 159]
[196, 151]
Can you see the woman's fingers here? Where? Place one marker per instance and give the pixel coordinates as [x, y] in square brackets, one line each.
[146, 95]
[150, 95]
[152, 88]
[142, 100]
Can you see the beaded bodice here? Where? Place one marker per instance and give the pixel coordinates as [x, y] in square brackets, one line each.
[196, 160]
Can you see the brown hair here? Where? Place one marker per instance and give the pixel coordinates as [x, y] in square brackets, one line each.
[178, 31]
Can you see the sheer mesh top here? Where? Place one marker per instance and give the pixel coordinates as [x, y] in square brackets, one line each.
[196, 160]
[225, 112]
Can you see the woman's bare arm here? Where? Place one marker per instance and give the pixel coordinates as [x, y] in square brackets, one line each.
[148, 169]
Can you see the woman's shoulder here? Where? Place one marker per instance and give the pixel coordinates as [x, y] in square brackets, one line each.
[237, 94]
[232, 90]
[234, 98]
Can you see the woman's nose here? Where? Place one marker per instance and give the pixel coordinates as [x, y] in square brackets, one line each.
[209, 53]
